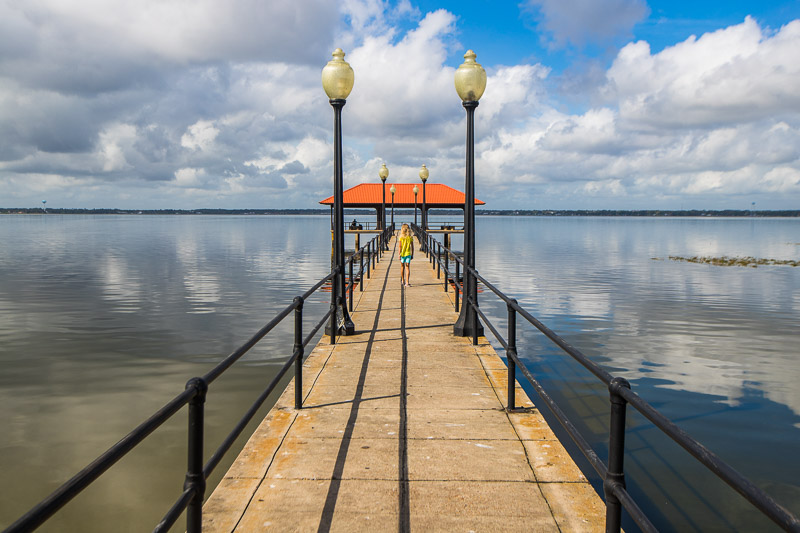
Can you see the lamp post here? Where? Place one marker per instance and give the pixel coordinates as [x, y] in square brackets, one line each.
[423, 175]
[470, 82]
[416, 190]
[383, 173]
[392, 190]
[337, 80]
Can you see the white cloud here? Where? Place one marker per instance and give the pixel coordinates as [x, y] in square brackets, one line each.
[137, 117]
[402, 87]
[189, 177]
[175, 30]
[715, 117]
[783, 179]
[514, 92]
[200, 135]
[580, 22]
[114, 142]
[733, 75]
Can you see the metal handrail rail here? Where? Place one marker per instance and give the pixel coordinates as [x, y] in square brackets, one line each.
[194, 395]
[365, 226]
[437, 225]
[621, 395]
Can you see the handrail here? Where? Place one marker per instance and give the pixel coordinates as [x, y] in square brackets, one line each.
[194, 395]
[620, 395]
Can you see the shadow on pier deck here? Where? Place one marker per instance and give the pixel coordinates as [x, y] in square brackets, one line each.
[403, 427]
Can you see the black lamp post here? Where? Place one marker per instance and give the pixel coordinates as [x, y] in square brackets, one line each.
[392, 190]
[337, 80]
[383, 173]
[423, 175]
[416, 190]
[470, 81]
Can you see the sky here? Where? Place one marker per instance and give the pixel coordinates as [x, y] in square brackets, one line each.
[589, 104]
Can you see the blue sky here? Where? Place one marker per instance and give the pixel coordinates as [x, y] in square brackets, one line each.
[509, 35]
[590, 104]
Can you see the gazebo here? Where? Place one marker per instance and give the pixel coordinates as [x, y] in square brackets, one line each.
[369, 196]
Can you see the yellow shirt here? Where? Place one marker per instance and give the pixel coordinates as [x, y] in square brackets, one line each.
[405, 246]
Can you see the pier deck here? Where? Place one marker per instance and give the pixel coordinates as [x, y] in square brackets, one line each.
[403, 427]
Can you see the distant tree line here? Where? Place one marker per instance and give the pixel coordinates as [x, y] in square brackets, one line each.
[638, 213]
[478, 212]
[105, 211]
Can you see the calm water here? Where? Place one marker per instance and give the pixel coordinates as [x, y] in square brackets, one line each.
[103, 319]
[714, 348]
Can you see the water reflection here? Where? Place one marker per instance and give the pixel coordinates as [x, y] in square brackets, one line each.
[202, 285]
[120, 285]
[713, 347]
[103, 319]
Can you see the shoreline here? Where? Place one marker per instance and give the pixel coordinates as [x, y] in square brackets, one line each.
[726, 213]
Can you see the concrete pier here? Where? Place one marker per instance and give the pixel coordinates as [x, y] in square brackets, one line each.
[403, 428]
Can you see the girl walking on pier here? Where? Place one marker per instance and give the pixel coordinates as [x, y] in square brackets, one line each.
[406, 254]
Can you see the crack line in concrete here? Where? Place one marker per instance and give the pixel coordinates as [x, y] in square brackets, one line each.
[264, 477]
[519, 438]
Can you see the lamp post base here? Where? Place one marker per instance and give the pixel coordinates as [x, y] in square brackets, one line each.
[463, 326]
[344, 325]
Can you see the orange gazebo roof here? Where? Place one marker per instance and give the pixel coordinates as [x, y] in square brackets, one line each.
[437, 196]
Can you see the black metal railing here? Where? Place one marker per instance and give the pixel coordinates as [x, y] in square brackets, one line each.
[620, 395]
[361, 225]
[194, 395]
[439, 226]
[375, 226]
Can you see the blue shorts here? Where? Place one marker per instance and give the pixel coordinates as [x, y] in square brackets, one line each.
[405, 259]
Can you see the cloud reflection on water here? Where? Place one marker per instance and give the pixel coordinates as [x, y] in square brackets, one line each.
[120, 285]
[710, 329]
[103, 319]
[713, 348]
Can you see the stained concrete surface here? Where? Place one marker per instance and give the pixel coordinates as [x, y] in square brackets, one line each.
[403, 427]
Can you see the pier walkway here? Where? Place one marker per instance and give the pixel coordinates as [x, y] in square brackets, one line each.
[403, 428]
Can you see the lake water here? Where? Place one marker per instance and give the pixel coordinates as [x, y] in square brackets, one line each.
[103, 319]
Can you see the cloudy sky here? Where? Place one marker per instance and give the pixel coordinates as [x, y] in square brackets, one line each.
[590, 104]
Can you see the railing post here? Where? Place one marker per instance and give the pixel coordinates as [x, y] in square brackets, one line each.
[333, 312]
[361, 269]
[194, 473]
[474, 314]
[298, 347]
[457, 284]
[616, 455]
[438, 260]
[352, 284]
[511, 355]
[446, 270]
[374, 253]
[378, 254]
